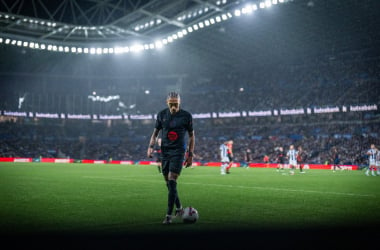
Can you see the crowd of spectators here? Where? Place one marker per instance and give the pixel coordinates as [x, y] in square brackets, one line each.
[128, 141]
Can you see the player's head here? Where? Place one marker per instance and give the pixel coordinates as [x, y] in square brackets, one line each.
[291, 146]
[173, 100]
[372, 146]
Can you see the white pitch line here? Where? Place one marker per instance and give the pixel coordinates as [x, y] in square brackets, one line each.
[243, 187]
[283, 189]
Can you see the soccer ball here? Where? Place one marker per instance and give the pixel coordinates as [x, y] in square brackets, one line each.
[190, 215]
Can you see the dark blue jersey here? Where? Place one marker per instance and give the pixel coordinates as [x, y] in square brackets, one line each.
[174, 129]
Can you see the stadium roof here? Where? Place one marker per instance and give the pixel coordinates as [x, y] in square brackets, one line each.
[81, 21]
[288, 33]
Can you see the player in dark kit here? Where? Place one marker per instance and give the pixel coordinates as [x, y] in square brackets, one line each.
[301, 159]
[173, 123]
[157, 154]
[280, 159]
[335, 159]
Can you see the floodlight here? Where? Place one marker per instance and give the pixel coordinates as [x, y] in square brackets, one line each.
[158, 44]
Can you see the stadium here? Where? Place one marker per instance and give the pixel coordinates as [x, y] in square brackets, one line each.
[82, 82]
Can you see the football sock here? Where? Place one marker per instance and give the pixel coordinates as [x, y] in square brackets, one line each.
[172, 196]
[177, 201]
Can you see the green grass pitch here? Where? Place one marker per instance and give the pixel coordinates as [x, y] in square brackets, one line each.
[131, 199]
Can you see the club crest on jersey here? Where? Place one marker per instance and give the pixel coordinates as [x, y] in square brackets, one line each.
[172, 136]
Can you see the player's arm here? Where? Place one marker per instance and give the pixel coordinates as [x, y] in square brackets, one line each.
[190, 149]
[151, 143]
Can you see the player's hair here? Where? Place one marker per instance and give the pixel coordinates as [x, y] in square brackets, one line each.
[173, 95]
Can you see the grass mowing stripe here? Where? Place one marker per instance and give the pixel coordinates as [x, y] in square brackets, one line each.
[237, 186]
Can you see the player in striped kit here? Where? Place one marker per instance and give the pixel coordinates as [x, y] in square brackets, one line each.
[224, 158]
[292, 158]
[372, 153]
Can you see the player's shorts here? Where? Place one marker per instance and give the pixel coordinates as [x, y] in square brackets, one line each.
[158, 157]
[230, 158]
[336, 162]
[172, 164]
[225, 159]
[372, 162]
[293, 162]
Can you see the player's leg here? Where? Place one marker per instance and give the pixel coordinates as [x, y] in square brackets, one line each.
[281, 167]
[229, 164]
[175, 168]
[367, 171]
[337, 164]
[374, 170]
[165, 172]
[292, 167]
[159, 167]
[223, 168]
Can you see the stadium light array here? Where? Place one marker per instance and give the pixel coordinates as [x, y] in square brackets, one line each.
[247, 9]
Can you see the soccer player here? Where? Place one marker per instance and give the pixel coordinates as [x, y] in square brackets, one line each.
[372, 152]
[335, 159]
[174, 123]
[223, 157]
[266, 160]
[301, 158]
[291, 155]
[230, 155]
[280, 159]
[157, 154]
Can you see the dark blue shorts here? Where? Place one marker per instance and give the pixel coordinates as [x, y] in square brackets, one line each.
[172, 164]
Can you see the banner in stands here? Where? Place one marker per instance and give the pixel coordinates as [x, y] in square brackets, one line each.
[209, 164]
